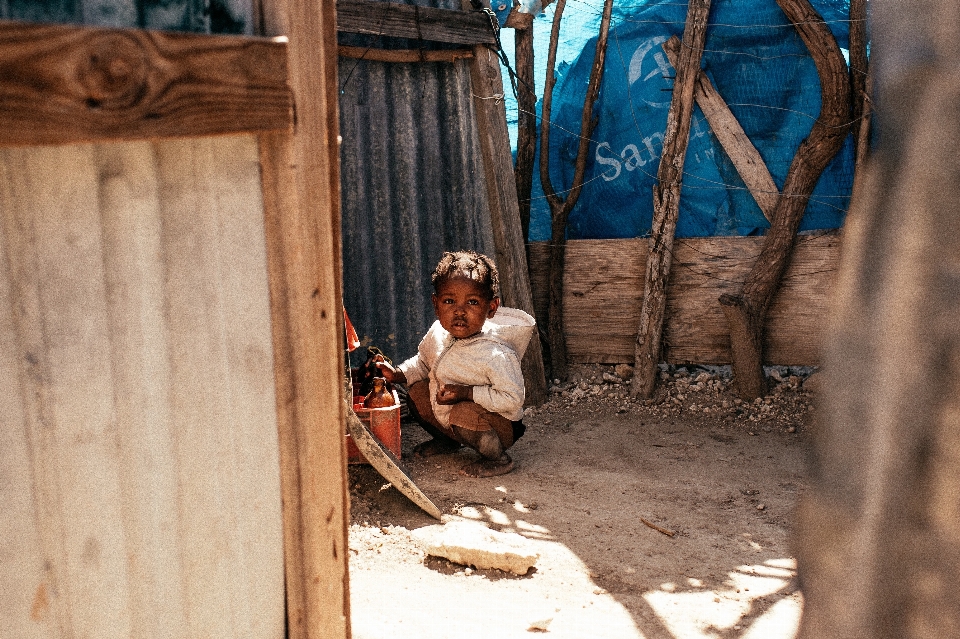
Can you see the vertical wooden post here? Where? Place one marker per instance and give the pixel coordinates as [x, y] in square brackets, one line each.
[301, 187]
[526, 116]
[666, 200]
[504, 211]
[878, 528]
[858, 67]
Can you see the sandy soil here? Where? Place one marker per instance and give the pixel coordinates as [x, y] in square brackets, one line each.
[723, 476]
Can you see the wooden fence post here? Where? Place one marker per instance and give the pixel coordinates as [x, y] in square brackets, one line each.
[504, 210]
[301, 193]
[666, 201]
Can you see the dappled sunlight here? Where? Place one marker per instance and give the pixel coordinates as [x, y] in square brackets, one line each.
[742, 606]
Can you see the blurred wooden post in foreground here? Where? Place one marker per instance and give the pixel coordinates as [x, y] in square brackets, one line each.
[879, 529]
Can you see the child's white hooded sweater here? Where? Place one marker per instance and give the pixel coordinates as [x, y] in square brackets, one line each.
[488, 361]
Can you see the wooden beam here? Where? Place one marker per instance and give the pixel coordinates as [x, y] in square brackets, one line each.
[414, 22]
[745, 157]
[403, 55]
[603, 287]
[511, 257]
[301, 192]
[526, 115]
[62, 84]
[666, 199]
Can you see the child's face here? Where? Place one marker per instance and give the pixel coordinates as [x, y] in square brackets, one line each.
[462, 306]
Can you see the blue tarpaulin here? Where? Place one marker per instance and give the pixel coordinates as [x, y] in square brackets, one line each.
[760, 67]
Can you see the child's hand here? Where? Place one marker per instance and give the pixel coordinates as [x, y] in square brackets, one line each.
[454, 393]
[388, 372]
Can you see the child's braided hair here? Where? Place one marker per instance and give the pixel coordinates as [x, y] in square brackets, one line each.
[471, 265]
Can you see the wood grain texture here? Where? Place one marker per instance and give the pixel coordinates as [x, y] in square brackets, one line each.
[301, 189]
[414, 22]
[138, 340]
[604, 285]
[413, 56]
[746, 159]
[62, 84]
[501, 185]
[746, 309]
[666, 200]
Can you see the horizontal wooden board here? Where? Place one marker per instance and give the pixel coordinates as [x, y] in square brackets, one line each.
[414, 56]
[603, 289]
[415, 22]
[62, 84]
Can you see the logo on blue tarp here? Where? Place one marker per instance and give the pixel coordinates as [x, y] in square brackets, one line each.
[762, 70]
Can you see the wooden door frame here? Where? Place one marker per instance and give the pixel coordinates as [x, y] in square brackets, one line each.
[301, 192]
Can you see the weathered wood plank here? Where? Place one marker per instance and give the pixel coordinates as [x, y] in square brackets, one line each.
[52, 228]
[62, 84]
[666, 200]
[25, 526]
[301, 191]
[508, 237]
[414, 22]
[222, 386]
[138, 334]
[139, 340]
[604, 285]
[741, 151]
[403, 55]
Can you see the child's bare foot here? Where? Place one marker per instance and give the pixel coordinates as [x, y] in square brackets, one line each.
[435, 447]
[488, 467]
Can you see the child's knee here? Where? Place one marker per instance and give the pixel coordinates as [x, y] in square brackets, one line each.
[469, 416]
[486, 442]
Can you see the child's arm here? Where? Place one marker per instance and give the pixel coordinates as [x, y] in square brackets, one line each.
[454, 394]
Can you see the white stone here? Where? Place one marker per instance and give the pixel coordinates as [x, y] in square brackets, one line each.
[541, 625]
[473, 544]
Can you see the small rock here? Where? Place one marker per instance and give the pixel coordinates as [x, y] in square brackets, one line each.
[473, 544]
[623, 371]
[792, 429]
[613, 379]
[761, 506]
[541, 625]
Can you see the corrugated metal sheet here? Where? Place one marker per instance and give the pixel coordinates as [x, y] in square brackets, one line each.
[412, 187]
[199, 16]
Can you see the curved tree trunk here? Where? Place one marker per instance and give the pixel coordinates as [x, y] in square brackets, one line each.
[746, 312]
[560, 207]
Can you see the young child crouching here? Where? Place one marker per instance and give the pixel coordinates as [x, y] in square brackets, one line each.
[465, 383]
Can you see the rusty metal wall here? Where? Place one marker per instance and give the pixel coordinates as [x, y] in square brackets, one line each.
[412, 186]
[199, 16]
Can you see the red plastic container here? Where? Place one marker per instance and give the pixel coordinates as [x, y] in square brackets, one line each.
[384, 423]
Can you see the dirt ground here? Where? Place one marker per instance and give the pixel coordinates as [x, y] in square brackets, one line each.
[722, 475]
